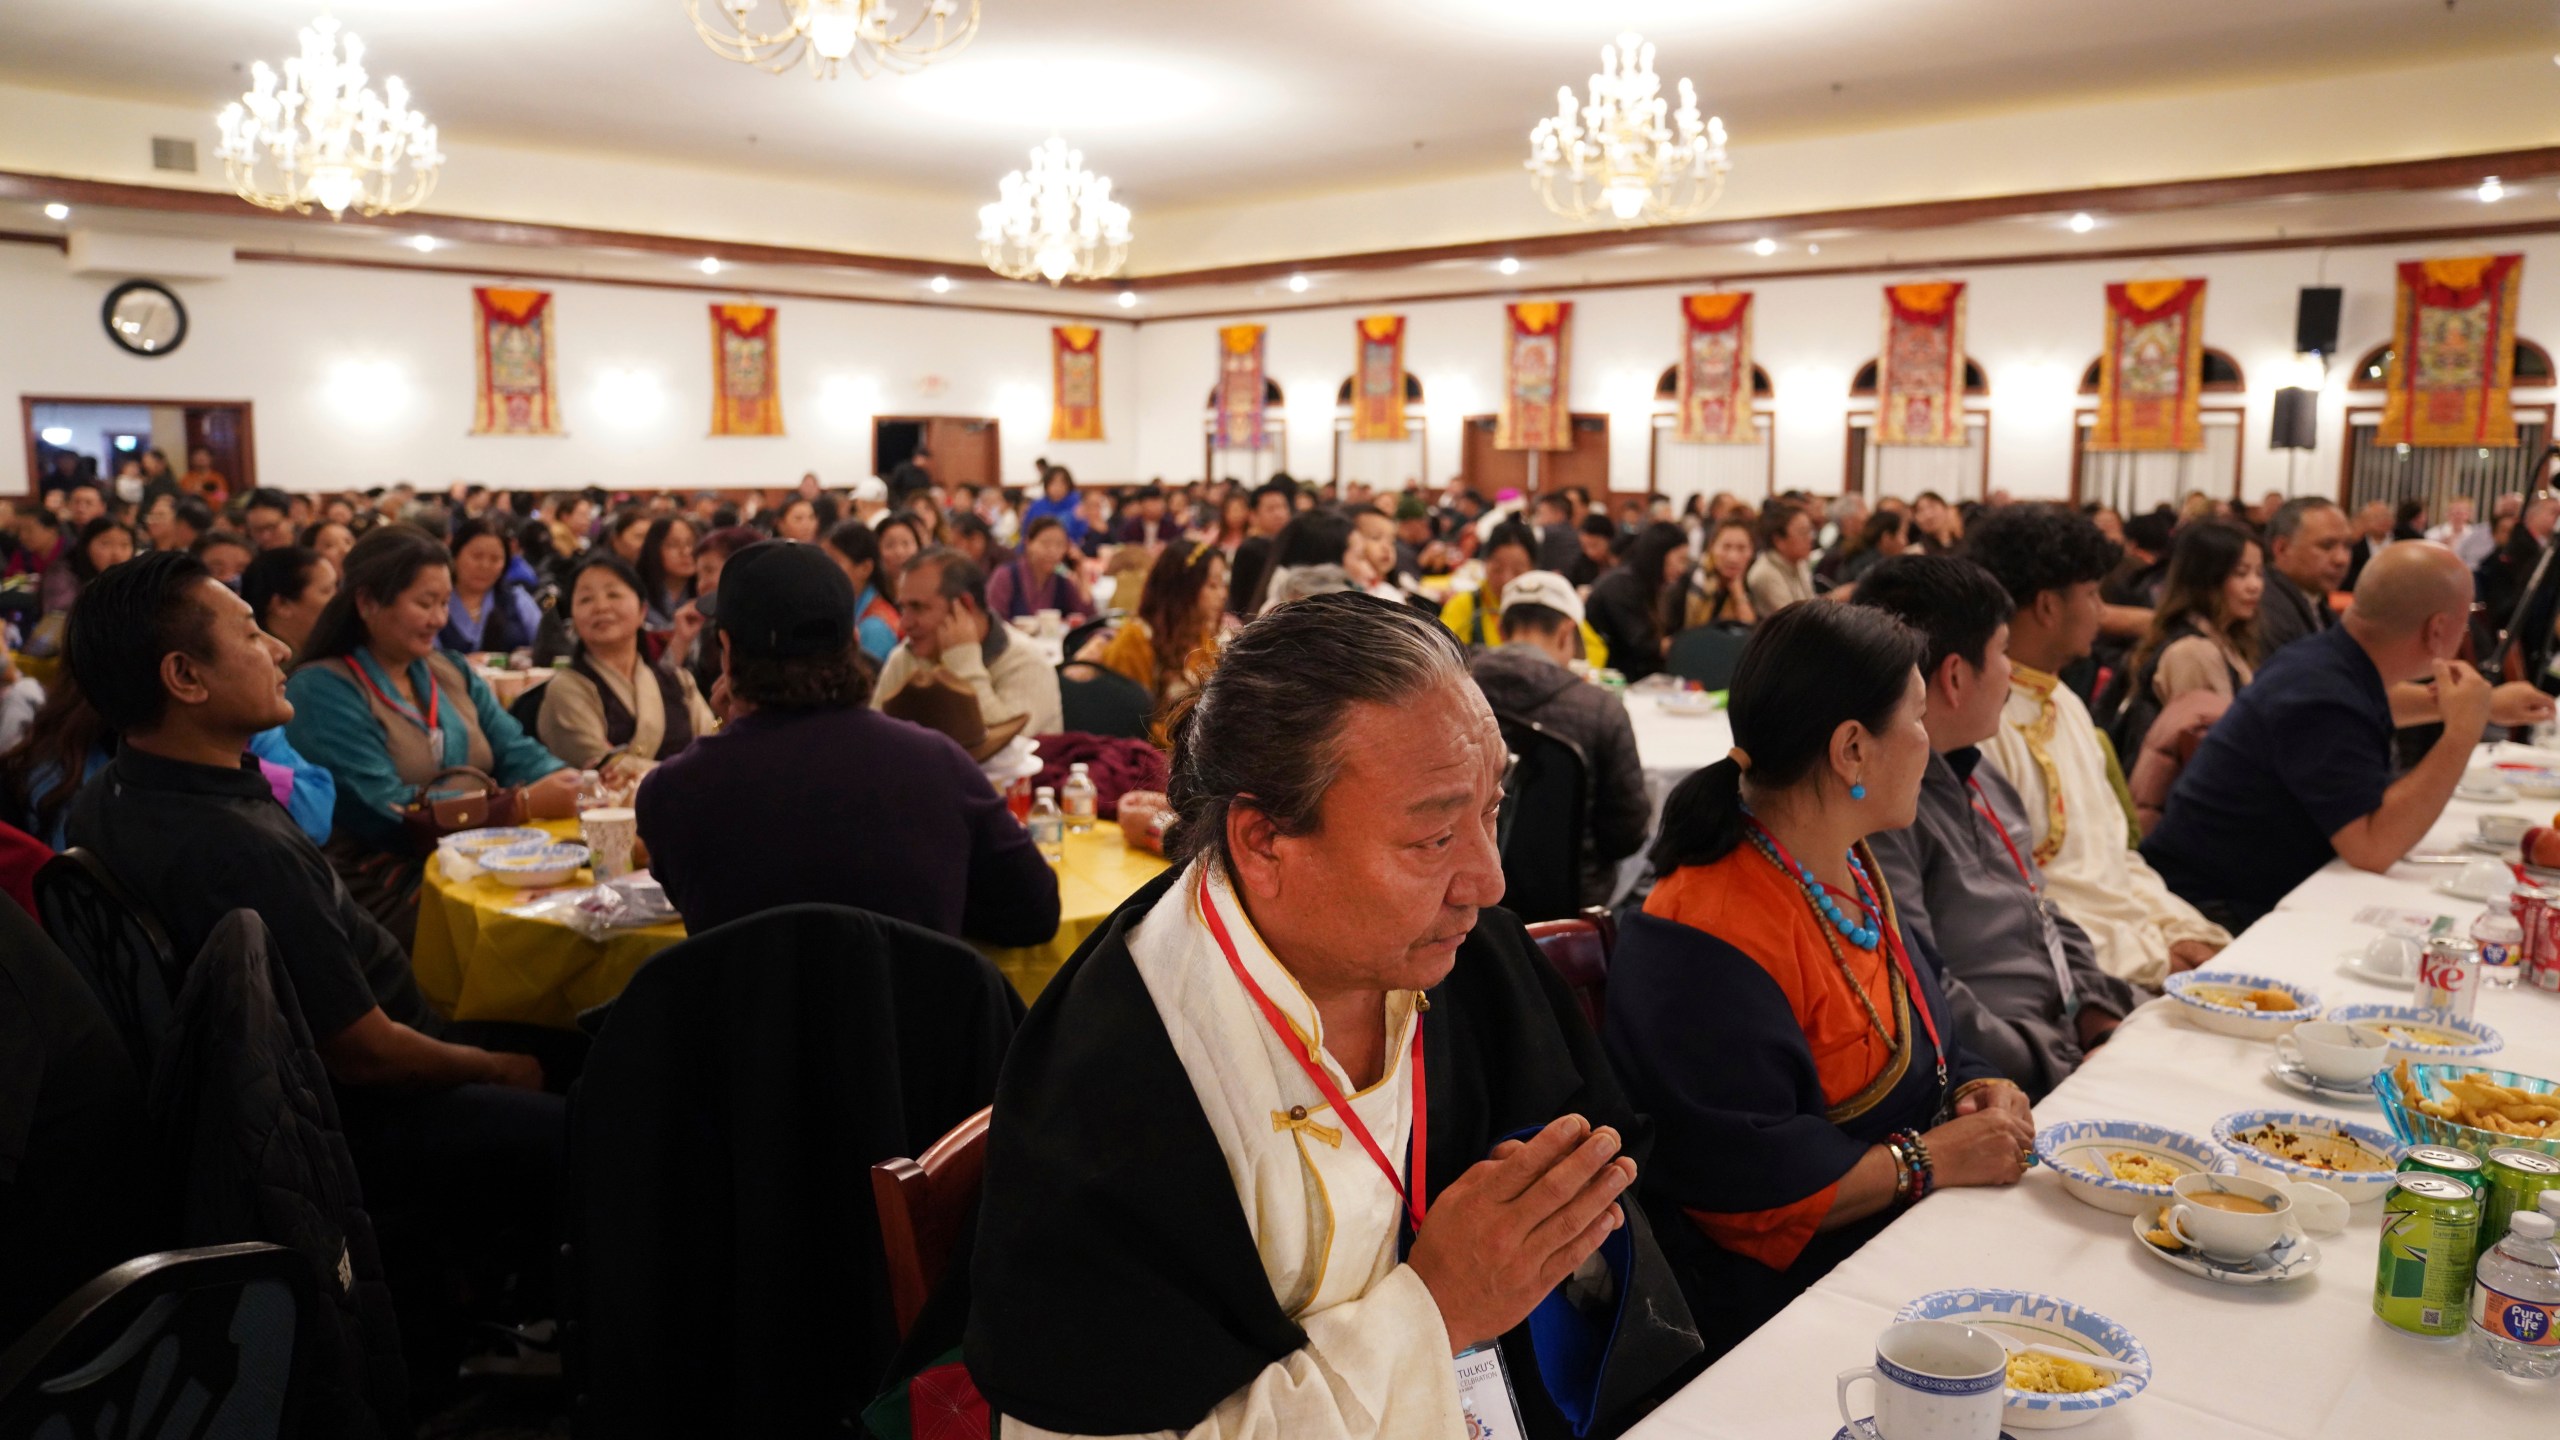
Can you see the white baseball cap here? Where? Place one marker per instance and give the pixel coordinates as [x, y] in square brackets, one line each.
[1544, 587]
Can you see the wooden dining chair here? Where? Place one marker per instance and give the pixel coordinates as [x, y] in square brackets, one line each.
[923, 1203]
[1579, 950]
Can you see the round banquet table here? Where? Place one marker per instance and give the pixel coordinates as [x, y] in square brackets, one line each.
[2305, 1359]
[1670, 746]
[476, 960]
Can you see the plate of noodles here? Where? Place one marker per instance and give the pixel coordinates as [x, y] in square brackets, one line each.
[2252, 1007]
[2046, 1394]
[2420, 1032]
[2125, 1166]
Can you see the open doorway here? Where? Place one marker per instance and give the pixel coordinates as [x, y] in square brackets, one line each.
[964, 449]
[209, 445]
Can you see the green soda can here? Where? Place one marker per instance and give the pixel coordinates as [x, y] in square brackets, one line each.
[2517, 1180]
[2462, 1165]
[2430, 1226]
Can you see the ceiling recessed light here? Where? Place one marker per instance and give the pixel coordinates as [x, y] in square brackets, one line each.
[1508, 266]
[1297, 284]
[422, 243]
[57, 211]
[1812, 249]
[1764, 246]
[2491, 191]
[2083, 223]
[941, 284]
[1128, 299]
[710, 264]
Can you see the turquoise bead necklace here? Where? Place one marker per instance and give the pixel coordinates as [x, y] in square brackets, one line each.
[1865, 931]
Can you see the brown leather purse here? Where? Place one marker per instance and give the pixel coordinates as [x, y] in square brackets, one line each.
[432, 816]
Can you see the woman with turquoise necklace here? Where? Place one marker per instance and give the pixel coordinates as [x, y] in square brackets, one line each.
[1785, 1031]
[385, 711]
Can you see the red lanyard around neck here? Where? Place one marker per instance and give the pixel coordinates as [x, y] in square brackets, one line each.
[1982, 807]
[426, 721]
[1892, 939]
[1297, 1048]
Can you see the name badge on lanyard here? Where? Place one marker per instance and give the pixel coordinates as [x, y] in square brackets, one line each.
[1484, 1392]
[2054, 953]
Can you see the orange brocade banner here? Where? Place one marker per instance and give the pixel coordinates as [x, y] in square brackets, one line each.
[2151, 370]
[1240, 388]
[1377, 380]
[1536, 369]
[746, 386]
[1715, 369]
[1920, 369]
[2453, 353]
[516, 394]
[1075, 382]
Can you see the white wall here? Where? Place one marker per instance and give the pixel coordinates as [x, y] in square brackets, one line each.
[362, 378]
[2033, 328]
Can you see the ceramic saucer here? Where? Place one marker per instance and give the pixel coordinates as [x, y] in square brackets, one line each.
[2353, 962]
[1866, 1430]
[2299, 1079]
[2290, 1259]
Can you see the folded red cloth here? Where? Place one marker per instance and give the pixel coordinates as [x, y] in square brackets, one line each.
[1116, 764]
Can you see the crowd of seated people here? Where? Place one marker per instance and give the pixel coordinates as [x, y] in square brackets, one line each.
[1904, 909]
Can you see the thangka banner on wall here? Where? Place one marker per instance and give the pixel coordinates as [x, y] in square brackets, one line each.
[516, 395]
[1377, 385]
[2151, 371]
[746, 388]
[1536, 353]
[2453, 353]
[1715, 369]
[1075, 383]
[1240, 382]
[1920, 370]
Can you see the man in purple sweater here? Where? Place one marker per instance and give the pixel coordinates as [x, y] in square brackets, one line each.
[808, 795]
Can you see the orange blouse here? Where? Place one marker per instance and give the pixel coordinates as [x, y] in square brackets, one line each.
[1761, 911]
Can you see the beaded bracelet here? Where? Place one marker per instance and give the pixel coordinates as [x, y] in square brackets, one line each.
[1900, 1145]
[1924, 1173]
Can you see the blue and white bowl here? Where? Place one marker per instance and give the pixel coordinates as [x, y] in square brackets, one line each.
[535, 867]
[2036, 1319]
[2076, 1152]
[2477, 1039]
[491, 837]
[2372, 1144]
[2208, 998]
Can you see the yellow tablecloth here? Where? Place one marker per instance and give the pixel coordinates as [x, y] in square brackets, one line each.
[477, 962]
[1100, 871]
[39, 668]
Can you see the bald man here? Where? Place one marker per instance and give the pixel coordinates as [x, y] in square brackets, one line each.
[2299, 769]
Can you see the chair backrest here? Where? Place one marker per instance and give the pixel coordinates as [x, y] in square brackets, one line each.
[119, 948]
[527, 707]
[184, 1343]
[1579, 950]
[923, 1204]
[1706, 654]
[1541, 828]
[1076, 638]
[1096, 701]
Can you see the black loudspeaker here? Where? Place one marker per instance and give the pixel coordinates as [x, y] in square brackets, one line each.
[2315, 320]
[2297, 420]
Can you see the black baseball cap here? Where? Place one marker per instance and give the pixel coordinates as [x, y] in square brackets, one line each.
[781, 601]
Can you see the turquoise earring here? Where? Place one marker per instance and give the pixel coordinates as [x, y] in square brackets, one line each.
[1858, 790]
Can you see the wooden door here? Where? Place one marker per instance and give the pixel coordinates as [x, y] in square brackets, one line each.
[965, 449]
[1489, 472]
[223, 430]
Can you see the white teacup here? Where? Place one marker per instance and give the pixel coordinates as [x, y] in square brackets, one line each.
[2339, 1054]
[2200, 1220]
[2485, 781]
[2504, 829]
[2392, 955]
[1935, 1380]
[2482, 876]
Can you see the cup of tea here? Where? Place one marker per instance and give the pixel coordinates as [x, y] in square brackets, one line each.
[2504, 829]
[2229, 1218]
[2339, 1054]
[1934, 1380]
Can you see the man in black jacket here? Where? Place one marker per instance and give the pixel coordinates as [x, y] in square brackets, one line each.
[1525, 677]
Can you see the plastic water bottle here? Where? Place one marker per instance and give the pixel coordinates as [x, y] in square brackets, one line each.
[1048, 827]
[2515, 1301]
[1078, 799]
[2501, 942]
[590, 791]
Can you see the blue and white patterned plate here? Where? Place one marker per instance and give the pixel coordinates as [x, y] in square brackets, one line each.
[1866, 1430]
[533, 867]
[2288, 1259]
[2210, 999]
[2076, 1152]
[2039, 1319]
[2357, 1186]
[2477, 1039]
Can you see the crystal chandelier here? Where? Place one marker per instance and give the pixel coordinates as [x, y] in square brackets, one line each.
[829, 32]
[1056, 221]
[324, 137]
[1621, 153]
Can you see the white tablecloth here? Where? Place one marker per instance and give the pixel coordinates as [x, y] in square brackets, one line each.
[2304, 1359]
[1672, 744]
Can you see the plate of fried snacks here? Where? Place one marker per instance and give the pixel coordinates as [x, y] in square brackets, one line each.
[2470, 1108]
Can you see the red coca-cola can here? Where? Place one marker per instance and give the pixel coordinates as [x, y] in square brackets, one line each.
[2538, 910]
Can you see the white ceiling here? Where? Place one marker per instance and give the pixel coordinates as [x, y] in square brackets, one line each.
[1191, 102]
